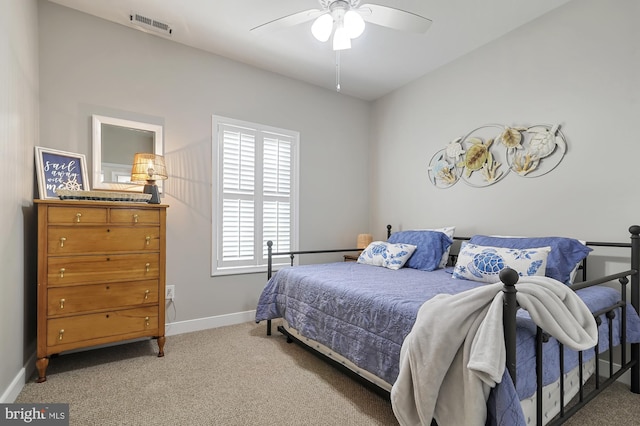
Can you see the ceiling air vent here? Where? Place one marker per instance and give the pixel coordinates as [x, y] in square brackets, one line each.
[150, 23]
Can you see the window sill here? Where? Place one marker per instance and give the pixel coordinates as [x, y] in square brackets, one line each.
[244, 270]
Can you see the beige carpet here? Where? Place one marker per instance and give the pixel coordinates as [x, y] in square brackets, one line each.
[234, 376]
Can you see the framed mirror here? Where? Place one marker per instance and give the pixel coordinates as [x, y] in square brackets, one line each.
[115, 141]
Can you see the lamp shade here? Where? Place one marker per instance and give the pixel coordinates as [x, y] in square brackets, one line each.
[341, 40]
[322, 27]
[148, 167]
[364, 240]
[353, 23]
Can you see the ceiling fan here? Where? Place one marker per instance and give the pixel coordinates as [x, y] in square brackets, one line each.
[345, 19]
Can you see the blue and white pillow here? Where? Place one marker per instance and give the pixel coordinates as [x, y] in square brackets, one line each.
[484, 263]
[565, 256]
[392, 256]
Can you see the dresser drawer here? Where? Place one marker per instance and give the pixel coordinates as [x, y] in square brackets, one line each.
[76, 215]
[134, 216]
[85, 298]
[67, 270]
[102, 239]
[64, 331]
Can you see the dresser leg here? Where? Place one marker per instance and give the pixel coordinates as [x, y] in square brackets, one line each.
[161, 341]
[41, 365]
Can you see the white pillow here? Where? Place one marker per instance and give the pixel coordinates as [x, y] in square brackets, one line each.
[392, 256]
[448, 231]
[484, 263]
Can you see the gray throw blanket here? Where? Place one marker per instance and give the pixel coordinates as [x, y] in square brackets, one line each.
[455, 352]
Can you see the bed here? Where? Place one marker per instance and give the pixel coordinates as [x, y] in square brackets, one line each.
[358, 314]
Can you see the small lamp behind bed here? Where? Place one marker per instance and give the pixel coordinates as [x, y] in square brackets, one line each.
[364, 240]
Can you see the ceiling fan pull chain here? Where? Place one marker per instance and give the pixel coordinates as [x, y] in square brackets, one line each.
[337, 70]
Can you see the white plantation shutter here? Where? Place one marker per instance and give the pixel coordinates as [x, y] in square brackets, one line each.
[277, 166]
[277, 226]
[276, 212]
[238, 189]
[237, 230]
[255, 168]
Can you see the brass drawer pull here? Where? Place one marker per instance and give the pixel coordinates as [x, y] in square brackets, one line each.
[62, 270]
[135, 218]
[148, 240]
[146, 294]
[60, 333]
[62, 303]
[146, 321]
[78, 216]
[146, 266]
[62, 240]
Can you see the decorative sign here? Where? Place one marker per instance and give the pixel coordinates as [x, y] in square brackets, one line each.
[60, 170]
[487, 154]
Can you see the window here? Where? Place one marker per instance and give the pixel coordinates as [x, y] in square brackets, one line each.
[255, 173]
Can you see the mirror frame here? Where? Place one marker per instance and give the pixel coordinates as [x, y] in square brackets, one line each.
[97, 122]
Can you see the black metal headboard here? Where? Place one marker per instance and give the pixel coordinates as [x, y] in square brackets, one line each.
[453, 256]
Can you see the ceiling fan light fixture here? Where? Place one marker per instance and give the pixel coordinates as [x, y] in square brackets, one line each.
[354, 24]
[322, 27]
[341, 40]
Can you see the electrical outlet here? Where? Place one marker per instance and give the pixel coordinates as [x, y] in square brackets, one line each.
[170, 292]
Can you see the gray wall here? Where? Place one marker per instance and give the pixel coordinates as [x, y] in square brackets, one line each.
[18, 136]
[89, 65]
[578, 66]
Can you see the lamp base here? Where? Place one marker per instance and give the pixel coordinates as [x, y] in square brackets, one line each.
[152, 188]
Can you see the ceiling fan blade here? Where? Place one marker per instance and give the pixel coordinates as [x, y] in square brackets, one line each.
[289, 20]
[397, 19]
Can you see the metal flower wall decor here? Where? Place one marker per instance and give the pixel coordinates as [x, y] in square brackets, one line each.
[488, 153]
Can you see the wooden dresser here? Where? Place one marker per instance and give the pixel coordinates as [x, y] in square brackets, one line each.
[101, 275]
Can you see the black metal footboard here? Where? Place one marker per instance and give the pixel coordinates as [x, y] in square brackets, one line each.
[510, 277]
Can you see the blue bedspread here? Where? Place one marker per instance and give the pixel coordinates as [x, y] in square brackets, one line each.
[364, 312]
[360, 311]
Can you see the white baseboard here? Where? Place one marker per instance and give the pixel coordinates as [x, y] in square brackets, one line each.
[604, 371]
[171, 329]
[11, 393]
[199, 324]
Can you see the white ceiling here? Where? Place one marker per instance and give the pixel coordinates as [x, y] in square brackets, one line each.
[380, 61]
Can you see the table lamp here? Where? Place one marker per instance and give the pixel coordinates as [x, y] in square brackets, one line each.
[364, 240]
[147, 168]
